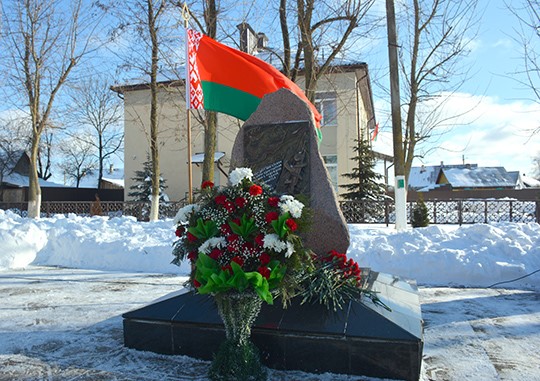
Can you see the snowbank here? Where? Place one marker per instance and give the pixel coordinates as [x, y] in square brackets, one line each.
[473, 255]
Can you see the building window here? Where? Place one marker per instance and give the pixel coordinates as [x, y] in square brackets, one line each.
[326, 104]
[330, 161]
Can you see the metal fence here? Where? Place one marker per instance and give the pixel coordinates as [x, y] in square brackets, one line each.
[446, 211]
[137, 209]
[440, 211]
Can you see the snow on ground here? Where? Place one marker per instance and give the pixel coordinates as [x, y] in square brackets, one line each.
[472, 255]
[64, 323]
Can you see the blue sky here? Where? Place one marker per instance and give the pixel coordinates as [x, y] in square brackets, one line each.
[496, 132]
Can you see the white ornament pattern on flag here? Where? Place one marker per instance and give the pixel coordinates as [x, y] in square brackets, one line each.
[196, 99]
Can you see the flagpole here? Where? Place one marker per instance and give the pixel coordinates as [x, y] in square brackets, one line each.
[185, 15]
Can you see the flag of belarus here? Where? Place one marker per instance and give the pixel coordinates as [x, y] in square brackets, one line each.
[227, 80]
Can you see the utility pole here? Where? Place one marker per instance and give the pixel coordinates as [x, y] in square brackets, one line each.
[400, 187]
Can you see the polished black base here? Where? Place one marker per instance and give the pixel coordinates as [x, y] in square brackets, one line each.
[362, 339]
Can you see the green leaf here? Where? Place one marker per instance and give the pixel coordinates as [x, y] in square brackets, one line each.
[246, 228]
[264, 292]
[204, 229]
[239, 279]
[255, 278]
[276, 274]
[279, 225]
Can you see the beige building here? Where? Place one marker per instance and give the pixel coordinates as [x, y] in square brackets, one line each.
[344, 99]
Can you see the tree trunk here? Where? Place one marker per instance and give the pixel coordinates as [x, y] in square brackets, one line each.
[210, 127]
[34, 190]
[154, 152]
[210, 139]
[100, 155]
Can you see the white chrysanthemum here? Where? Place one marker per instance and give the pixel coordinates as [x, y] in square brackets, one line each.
[239, 174]
[290, 249]
[184, 213]
[272, 242]
[211, 243]
[290, 204]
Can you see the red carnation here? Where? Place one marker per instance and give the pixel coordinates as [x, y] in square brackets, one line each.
[273, 201]
[255, 190]
[271, 216]
[237, 221]
[259, 239]
[232, 238]
[180, 231]
[215, 253]
[192, 256]
[225, 229]
[227, 268]
[191, 237]
[238, 260]
[196, 283]
[264, 271]
[207, 184]
[264, 258]
[333, 253]
[291, 224]
[229, 206]
[220, 199]
[240, 202]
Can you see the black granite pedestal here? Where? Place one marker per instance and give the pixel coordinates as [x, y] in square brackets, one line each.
[362, 339]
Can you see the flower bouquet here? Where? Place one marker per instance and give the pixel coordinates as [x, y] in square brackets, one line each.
[244, 249]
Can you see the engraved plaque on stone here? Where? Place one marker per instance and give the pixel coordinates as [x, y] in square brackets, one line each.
[270, 174]
[279, 155]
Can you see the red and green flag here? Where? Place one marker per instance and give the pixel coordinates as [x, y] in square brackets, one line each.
[227, 80]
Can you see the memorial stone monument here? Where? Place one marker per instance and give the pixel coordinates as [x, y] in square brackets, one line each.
[279, 143]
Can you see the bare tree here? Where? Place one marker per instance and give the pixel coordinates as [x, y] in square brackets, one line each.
[45, 39]
[96, 111]
[528, 14]
[323, 30]
[78, 159]
[8, 158]
[17, 132]
[536, 166]
[434, 36]
[148, 24]
[45, 154]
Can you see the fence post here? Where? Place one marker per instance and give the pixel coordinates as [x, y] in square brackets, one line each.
[511, 211]
[460, 212]
[387, 212]
[537, 212]
[434, 211]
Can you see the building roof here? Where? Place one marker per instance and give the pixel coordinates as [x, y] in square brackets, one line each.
[460, 176]
[198, 158]
[112, 175]
[166, 81]
[20, 181]
[480, 177]
[426, 177]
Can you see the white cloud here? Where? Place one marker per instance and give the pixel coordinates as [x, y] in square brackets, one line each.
[492, 133]
[503, 43]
